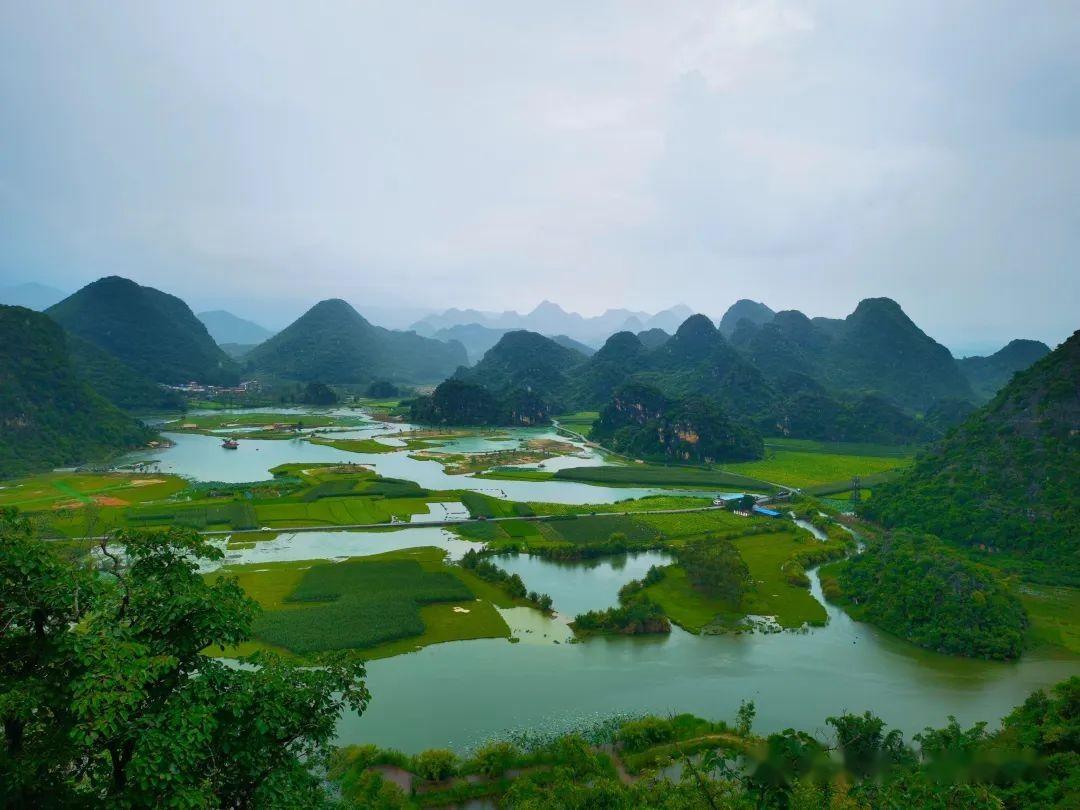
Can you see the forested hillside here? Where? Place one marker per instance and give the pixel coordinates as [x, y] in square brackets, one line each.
[117, 382]
[526, 361]
[49, 416]
[154, 333]
[1006, 480]
[640, 421]
[333, 343]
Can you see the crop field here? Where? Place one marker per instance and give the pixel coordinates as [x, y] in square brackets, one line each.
[480, 505]
[588, 530]
[901, 451]
[805, 468]
[383, 604]
[631, 505]
[695, 524]
[660, 475]
[579, 422]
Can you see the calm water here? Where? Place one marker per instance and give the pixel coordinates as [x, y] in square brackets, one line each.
[458, 695]
[202, 458]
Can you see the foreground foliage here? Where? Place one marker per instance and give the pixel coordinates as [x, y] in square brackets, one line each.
[107, 699]
[686, 762]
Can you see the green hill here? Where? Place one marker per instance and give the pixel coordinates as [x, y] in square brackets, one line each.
[154, 333]
[877, 350]
[332, 343]
[1006, 480]
[988, 375]
[642, 422]
[49, 417]
[526, 361]
[456, 402]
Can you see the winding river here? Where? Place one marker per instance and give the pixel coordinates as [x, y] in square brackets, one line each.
[460, 694]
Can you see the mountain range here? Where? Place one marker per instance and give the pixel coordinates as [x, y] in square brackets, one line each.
[550, 319]
[873, 376]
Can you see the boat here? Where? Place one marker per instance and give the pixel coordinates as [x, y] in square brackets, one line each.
[230, 444]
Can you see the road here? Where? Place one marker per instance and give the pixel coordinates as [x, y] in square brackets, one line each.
[323, 527]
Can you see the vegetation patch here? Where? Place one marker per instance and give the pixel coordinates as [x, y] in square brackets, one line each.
[661, 475]
[366, 602]
[803, 468]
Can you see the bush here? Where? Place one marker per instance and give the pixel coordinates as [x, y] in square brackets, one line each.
[435, 765]
[495, 758]
[637, 735]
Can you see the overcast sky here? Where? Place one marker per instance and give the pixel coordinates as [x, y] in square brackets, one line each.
[261, 156]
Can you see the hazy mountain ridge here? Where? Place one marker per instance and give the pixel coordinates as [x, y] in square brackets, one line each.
[224, 327]
[152, 332]
[987, 375]
[550, 319]
[49, 416]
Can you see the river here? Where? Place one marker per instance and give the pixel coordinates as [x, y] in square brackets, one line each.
[460, 694]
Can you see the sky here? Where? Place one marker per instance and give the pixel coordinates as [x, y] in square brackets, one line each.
[261, 156]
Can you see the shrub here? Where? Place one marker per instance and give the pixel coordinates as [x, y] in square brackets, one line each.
[435, 765]
[637, 735]
[495, 758]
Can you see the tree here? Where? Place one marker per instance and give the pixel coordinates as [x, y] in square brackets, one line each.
[106, 695]
[316, 393]
[713, 564]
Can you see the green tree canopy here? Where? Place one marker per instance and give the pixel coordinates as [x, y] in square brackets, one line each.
[106, 697]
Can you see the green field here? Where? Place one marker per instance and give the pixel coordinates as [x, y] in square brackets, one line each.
[356, 445]
[807, 468]
[659, 475]
[1055, 615]
[771, 595]
[385, 604]
[578, 422]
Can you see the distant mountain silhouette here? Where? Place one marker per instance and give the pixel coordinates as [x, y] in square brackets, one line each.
[744, 309]
[224, 327]
[549, 318]
[30, 295]
[988, 375]
[154, 333]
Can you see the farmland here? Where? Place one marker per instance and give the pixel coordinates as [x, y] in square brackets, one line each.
[807, 464]
[383, 604]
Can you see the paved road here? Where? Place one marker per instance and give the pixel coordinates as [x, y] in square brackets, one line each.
[401, 525]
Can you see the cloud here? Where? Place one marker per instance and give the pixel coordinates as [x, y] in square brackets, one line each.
[263, 154]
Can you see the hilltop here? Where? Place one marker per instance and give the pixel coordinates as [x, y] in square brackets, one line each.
[49, 417]
[154, 333]
[525, 361]
[877, 349]
[1005, 480]
[333, 343]
[744, 309]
